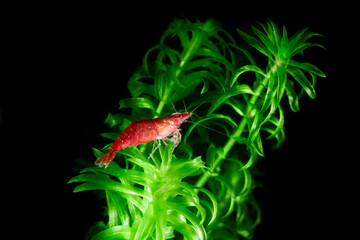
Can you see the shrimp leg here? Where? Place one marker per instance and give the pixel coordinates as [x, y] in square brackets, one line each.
[176, 138]
[155, 148]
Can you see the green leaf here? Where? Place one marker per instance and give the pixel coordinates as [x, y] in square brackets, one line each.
[113, 233]
[114, 119]
[159, 207]
[138, 87]
[227, 188]
[295, 39]
[299, 76]
[281, 75]
[211, 155]
[98, 153]
[235, 90]
[112, 210]
[301, 47]
[118, 202]
[136, 102]
[292, 96]
[137, 157]
[252, 158]
[191, 217]
[176, 221]
[254, 139]
[164, 52]
[89, 177]
[247, 222]
[95, 183]
[267, 39]
[247, 183]
[173, 73]
[161, 85]
[297, 42]
[133, 176]
[213, 201]
[111, 136]
[257, 145]
[275, 126]
[279, 135]
[191, 81]
[244, 69]
[192, 198]
[307, 67]
[192, 46]
[255, 43]
[238, 106]
[181, 168]
[270, 92]
[166, 155]
[145, 225]
[284, 45]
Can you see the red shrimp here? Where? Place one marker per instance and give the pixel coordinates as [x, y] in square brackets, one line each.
[144, 131]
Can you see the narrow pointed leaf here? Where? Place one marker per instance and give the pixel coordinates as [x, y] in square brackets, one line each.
[294, 39]
[301, 47]
[175, 221]
[111, 185]
[134, 176]
[146, 226]
[279, 123]
[138, 87]
[269, 44]
[292, 96]
[255, 43]
[137, 157]
[191, 217]
[270, 92]
[114, 233]
[136, 102]
[281, 75]
[114, 119]
[111, 136]
[303, 81]
[244, 69]
[235, 90]
[214, 203]
[98, 153]
[307, 67]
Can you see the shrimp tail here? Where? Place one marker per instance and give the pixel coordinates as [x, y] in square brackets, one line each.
[106, 159]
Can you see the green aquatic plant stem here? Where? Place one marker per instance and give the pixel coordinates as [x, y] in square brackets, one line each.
[238, 132]
[185, 56]
[160, 107]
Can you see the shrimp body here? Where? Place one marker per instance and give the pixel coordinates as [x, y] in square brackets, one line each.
[144, 131]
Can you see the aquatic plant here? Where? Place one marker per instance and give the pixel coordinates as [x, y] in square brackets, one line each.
[204, 188]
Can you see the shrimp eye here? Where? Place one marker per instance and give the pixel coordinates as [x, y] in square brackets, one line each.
[179, 116]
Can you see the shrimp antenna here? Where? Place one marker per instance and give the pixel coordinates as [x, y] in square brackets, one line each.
[212, 129]
[200, 104]
[173, 104]
[198, 117]
[185, 107]
[184, 103]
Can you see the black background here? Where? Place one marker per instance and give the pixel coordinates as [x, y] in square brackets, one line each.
[67, 66]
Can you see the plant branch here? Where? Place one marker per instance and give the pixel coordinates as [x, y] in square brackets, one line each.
[185, 56]
[238, 132]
